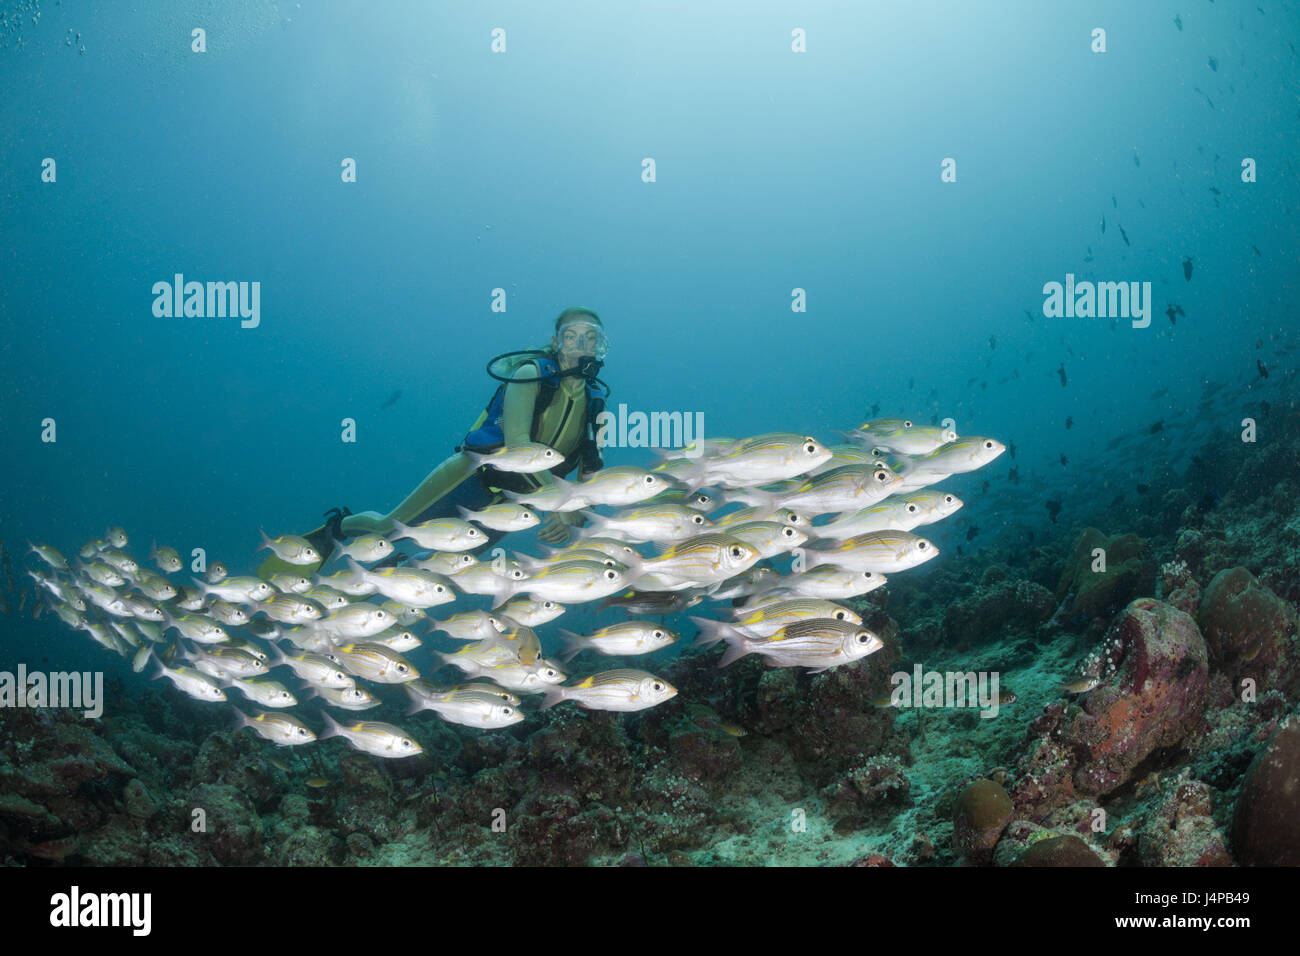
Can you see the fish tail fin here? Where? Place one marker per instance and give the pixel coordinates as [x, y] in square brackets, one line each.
[332, 728]
[573, 645]
[553, 696]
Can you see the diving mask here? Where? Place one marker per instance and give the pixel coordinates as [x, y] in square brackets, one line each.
[582, 338]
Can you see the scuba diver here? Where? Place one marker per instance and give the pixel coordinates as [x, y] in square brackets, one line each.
[551, 396]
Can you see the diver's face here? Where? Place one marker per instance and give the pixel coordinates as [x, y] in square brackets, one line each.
[577, 340]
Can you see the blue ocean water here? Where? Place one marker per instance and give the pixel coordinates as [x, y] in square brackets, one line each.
[798, 263]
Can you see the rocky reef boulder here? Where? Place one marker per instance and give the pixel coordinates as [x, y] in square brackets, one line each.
[982, 814]
[1265, 824]
[1027, 844]
[1250, 631]
[1155, 671]
[1157, 698]
[994, 607]
[1182, 831]
[1129, 572]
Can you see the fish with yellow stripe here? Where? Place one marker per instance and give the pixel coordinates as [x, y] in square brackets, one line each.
[621, 690]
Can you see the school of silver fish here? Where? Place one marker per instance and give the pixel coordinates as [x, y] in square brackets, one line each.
[842, 516]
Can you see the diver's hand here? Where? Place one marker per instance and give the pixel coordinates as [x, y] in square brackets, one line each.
[555, 529]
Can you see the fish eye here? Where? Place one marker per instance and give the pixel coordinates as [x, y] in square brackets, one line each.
[611, 574]
[810, 448]
[649, 479]
[656, 633]
[658, 686]
[841, 615]
[907, 423]
[735, 552]
[920, 545]
[988, 444]
[698, 519]
[863, 637]
[548, 453]
[548, 605]
[401, 668]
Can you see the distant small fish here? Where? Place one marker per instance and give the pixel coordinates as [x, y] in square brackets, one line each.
[985, 486]
[1136, 161]
[1082, 685]
[1156, 427]
[1053, 509]
[1257, 252]
[1187, 268]
[1006, 697]
[317, 783]
[1252, 652]
[1214, 64]
[1064, 461]
[1069, 423]
[1114, 202]
[1143, 489]
[1159, 393]
[1011, 449]
[279, 765]
[1215, 191]
[1173, 315]
[1207, 502]
[960, 551]
[1014, 475]
[1178, 22]
[972, 531]
[1124, 235]
[1103, 225]
[1061, 372]
[875, 410]
[1087, 258]
[392, 399]
[993, 342]
[1266, 407]
[1263, 369]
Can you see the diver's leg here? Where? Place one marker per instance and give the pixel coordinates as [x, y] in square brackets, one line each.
[439, 482]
